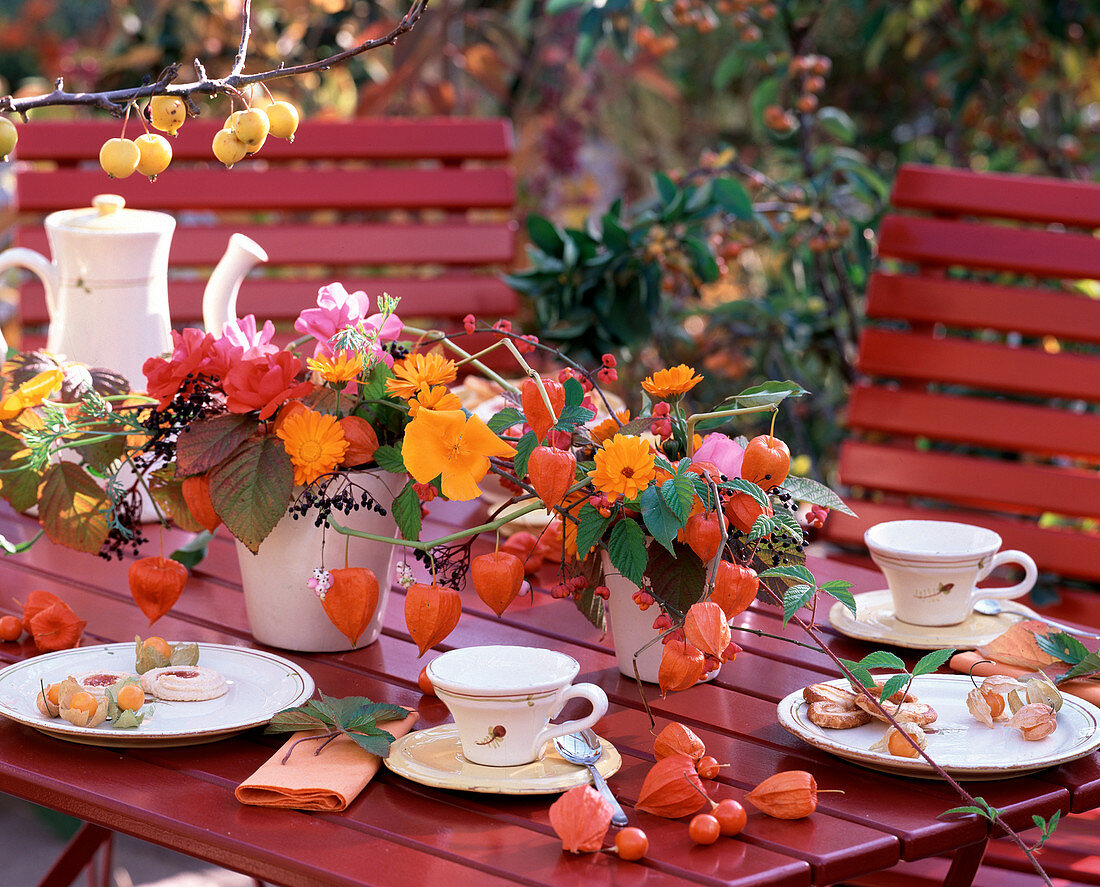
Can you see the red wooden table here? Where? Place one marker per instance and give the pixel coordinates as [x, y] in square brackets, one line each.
[397, 832]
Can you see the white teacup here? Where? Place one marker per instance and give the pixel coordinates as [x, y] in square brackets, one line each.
[502, 699]
[933, 567]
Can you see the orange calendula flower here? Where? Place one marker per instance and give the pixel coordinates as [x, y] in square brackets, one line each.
[418, 369]
[31, 393]
[342, 367]
[624, 467]
[453, 447]
[437, 398]
[315, 443]
[608, 428]
[674, 382]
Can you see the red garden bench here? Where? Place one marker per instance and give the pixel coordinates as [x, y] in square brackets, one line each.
[420, 208]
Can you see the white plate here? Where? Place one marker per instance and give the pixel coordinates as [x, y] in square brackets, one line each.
[434, 757]
[876, 622]
[963, 746]
[260, 684]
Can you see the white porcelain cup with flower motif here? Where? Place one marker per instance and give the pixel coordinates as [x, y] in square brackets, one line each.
[502, 699]
[933, 567]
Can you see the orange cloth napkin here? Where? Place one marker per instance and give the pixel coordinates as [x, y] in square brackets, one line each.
[1085, 689]
[327, 782]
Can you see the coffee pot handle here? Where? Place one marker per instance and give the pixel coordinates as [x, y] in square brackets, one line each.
[39, 265]
[593, 694]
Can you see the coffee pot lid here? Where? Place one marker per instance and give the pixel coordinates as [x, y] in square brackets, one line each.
[108, 213]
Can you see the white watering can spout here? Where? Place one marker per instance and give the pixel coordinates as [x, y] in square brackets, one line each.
[219, 300]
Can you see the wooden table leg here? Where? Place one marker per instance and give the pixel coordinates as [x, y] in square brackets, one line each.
[76, 855]
[965, 864]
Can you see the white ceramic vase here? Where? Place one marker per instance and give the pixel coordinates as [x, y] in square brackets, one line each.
[283, 611]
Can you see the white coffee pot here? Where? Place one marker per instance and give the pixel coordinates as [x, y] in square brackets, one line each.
[107, 286]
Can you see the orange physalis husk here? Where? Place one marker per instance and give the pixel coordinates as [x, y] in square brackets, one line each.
[196, 493]
[742, 510]
[581, 817]
[979, 707]
[56, 627]
[735, 588]
[361, 438]
[525, 546]
[552, 472]
[707, 628]
[36, 602]
[431, 613]
[156, 584]
[703, 534]
[1035, 721]
[351, 601]
[676, 739]
[682, 666]
[672, 788]
[497, 578]
[68, 689]
[535, 410]
[791, 794]
[766, 461]
[999, 683]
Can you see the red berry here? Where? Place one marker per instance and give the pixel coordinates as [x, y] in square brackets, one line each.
[631, 843]
[731, 817]
[704, 829]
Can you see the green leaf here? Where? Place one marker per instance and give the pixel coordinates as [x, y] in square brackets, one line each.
[791, 573]
[1062, 646]
[932, 661]
[626, 548]
[252, 489]
[976, 811]
[504, 420]
[375, 741]
[73, 509]
[406, 511]
[765, 394]
[731, 195]
[358, 712]
[192, 553]
[574, 392]
[207, 443]
[679, 493]
[747, 486]
[666, 188]
[525, 446]
[660, 520]
[861, 674]
[572, 416]
[838, 589]
[541, 231]
[895, 683]
[293, 719]
[795, 598]
[764, 526]
[590, 529]
[676, 580]
[588, 603]
[390, 459]
[1087, 666]
[837, 124]
[882, 659]
[20, 487]
[805, 489]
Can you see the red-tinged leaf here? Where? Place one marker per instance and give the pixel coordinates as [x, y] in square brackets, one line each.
[73, 509]
[167, 492]
[20, 487]
[252, 489]
[206, 444]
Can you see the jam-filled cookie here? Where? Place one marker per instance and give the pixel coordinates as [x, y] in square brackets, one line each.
[186, 683]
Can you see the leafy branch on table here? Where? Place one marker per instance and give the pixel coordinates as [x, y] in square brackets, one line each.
[1065, 647]
[355, 717]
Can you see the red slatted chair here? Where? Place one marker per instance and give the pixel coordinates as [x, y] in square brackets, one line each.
[981, 399]
[981, 403]
[420, 208]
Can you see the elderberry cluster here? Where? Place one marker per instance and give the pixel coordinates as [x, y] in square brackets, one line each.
[321, 496]
[449, 564]
[193, 400]
[125, 531]
[399, 352]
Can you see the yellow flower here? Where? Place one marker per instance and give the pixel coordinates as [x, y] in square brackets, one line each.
[674, 382]
[315, 443]
[608, 428]
[447, 444]
[624, 467]
[31, 393]
[437, 398]
[418, 369]
[342, 367]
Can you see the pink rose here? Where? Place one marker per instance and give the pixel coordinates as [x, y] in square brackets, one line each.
[723, 451]
[192, 353]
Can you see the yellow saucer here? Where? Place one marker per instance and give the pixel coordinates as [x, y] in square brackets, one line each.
[434, 757]
[876, 622]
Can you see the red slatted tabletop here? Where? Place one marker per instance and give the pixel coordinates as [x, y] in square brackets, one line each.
[398, 832]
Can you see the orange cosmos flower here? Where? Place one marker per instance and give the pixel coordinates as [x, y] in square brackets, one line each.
[608, 428]
[341, 368]
[447, 444]
[315, 443]
[418, 369]
[437, 398]
[624, 467]
[671, 383]
[31, 393]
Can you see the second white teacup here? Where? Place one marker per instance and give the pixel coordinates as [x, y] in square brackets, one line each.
[933, 567]
[502, 699]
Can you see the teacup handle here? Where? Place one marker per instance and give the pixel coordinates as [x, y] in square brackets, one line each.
[1012, 591]
[595, 695]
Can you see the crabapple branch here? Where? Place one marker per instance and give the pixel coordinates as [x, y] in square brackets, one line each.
[116, 101]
